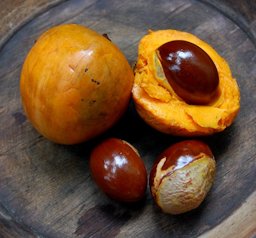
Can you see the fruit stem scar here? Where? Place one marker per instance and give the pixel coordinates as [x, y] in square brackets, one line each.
[106, 36]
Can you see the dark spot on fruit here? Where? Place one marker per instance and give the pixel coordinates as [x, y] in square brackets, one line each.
[95, 81]
[91, 102]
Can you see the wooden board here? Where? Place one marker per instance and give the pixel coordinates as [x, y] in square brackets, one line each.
[46, 189]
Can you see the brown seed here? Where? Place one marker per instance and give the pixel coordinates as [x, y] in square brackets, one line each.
[118, 170]
[182, 176]
[190, 71]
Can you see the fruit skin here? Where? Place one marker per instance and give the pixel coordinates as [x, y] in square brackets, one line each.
[75, 84]
[182, 176]
[160, 107]
[118, 170]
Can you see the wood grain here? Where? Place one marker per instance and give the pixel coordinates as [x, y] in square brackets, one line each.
[240, 224]
[243, 13]
[46, 189]
[16, 13]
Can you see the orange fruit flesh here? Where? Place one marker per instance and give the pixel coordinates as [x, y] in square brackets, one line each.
[163, 109]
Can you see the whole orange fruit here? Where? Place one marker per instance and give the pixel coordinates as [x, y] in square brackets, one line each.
[75, 84]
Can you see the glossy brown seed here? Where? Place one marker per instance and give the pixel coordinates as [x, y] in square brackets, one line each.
[180, 154]
[118, 170]
[182, 176]
[190, 71]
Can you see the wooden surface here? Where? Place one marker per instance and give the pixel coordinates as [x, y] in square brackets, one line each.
[46, 189]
